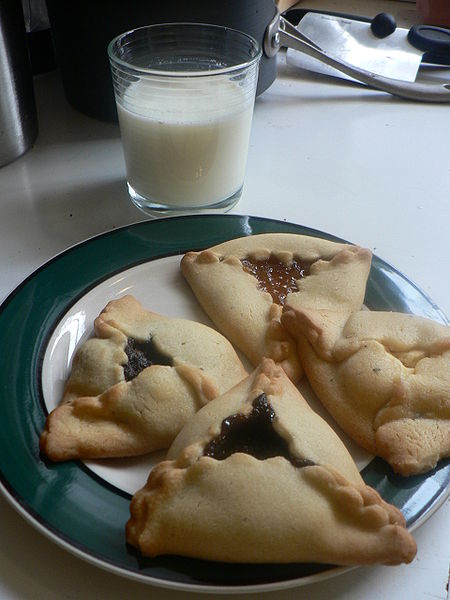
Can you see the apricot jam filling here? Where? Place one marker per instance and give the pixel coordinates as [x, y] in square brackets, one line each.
[276, 277]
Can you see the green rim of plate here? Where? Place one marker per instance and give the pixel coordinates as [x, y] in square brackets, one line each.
[85, 514]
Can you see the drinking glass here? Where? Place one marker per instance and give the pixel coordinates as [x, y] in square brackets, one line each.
[185, 94]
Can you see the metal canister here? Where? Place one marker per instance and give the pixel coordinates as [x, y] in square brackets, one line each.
[18, 117]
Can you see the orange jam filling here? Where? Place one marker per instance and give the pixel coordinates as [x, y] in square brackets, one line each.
[276, 277]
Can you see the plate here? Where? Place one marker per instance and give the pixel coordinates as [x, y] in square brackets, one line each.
[84, 506]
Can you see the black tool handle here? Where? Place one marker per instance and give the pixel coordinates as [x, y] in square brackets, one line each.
[433, 41]
[430, 39]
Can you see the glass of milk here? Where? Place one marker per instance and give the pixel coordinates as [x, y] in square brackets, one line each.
[185, 94]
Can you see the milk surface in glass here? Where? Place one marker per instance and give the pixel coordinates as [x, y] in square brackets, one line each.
[185, 142]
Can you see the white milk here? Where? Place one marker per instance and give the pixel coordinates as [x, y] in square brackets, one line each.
[185, 148]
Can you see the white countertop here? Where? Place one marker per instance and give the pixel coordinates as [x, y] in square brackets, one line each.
[332, 156]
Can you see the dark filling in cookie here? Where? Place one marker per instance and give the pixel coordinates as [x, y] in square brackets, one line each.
[142, 355]
[252, 434]
[277, 277]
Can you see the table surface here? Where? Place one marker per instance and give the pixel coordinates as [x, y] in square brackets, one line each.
[329, 155]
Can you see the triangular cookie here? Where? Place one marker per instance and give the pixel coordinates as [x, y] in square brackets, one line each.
[134, 385]
[384, 377]
[243, 284]
[257, 476]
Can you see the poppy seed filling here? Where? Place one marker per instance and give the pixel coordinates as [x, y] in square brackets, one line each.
[252, 434]
[142, 355]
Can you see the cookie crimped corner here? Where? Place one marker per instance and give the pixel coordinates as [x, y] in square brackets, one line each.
[411, 449]
[351, 253]
[268, 378]
[364, 506]
[321, 328]
[203, 257]
[141, 529]
[127, 315]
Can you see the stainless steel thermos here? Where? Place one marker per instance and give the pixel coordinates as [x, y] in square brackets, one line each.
[18, 118]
